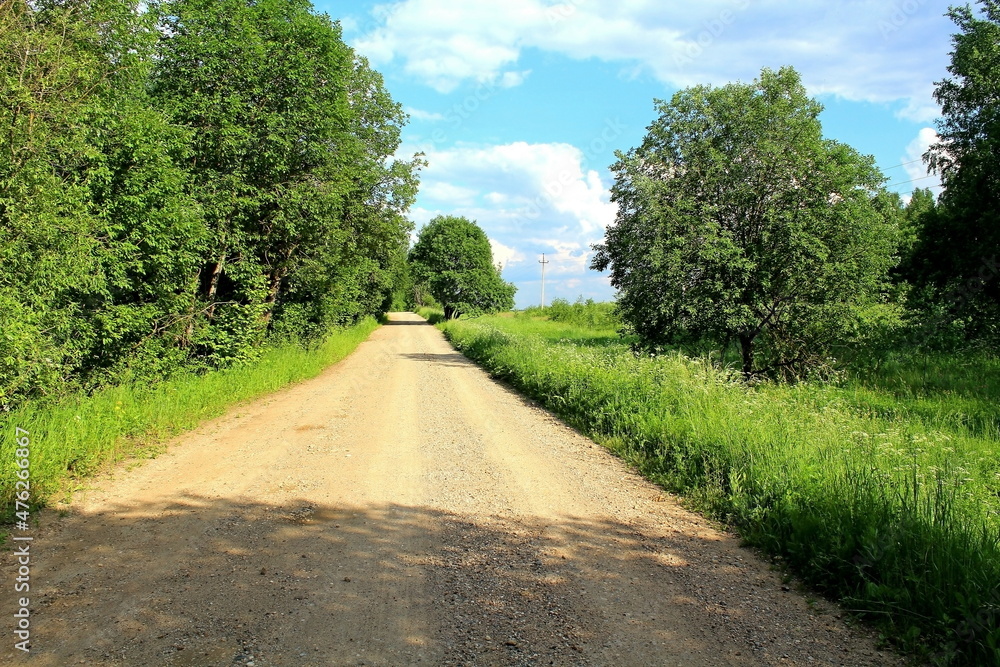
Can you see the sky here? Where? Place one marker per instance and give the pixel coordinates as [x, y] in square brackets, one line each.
[520, 105]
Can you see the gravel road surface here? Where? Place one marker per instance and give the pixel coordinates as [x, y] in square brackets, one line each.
[403, 508]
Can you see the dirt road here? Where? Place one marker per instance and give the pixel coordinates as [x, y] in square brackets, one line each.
[403, 508]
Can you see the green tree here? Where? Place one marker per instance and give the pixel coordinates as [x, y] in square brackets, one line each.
[454, 258]
[915, 219]
[82, 160]
[180, 180]
[957, 252]
[292, 140]
[47, 84]
[738, 222]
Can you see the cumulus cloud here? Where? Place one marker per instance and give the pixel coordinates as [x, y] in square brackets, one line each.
[871, 50]
[444, 191]
[513, 79]
[916, 170]
[524, 184]
[530, 199]
[505, 256]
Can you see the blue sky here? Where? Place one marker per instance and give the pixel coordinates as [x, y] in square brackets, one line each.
[520, 105]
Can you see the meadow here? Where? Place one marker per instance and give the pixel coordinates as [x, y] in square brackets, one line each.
[880, 489]
[75, 436]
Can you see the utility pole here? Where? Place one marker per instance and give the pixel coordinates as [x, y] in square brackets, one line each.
[543, 262]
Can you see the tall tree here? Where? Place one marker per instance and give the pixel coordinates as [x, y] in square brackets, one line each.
[959, 245]
[454, 258]
[292, 133]
[66, 70]
[916, 217]
[738, 222]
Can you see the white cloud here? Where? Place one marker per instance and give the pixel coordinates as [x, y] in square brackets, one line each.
[349, 24]
[530, 199]
[505, 256]
[513, 79]
[872, 50]
[446, 42]
[419, 114]
[526, 183]
[447, 193]
[564, 257]
[914, 166]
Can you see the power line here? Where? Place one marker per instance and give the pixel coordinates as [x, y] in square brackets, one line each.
[929, 187]
[896, 166]
[912, 180]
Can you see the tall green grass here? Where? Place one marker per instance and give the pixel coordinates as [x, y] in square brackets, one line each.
[432, 315]
[884, 500]
[77, 436]
[582, 313]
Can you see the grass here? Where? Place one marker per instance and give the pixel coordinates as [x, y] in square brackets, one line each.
[588, 314]
[78, 436]
[432, 315]
[881, 490]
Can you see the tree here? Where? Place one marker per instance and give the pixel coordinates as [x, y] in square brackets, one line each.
[915, 219]
[93, 215]
[738, 222]
[453, 256]
[181, 180]
[292, 139]
[958, 248]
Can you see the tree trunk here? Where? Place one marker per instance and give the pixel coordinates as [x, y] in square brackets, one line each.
[746, 348]
[189, 330]
[272, 295]
[213, 285]
[449, 313]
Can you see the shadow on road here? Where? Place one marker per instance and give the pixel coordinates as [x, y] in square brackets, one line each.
[406, 323]
[210, 582]
[448, 359]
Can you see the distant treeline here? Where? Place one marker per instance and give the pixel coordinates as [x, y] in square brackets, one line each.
[183, 181]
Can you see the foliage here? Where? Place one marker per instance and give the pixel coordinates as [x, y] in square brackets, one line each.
[291, 135]
[738, 221]
[183, 183]
[402, 297]
[882, 492]
[454, 258]
[57, 90]
[918, 210]
[956, 256]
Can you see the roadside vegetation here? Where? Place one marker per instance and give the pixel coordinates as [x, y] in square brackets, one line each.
[199, 203]
[81, 434]
[880, 489]
[799, 351]
[430, 313]
[184, 184]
